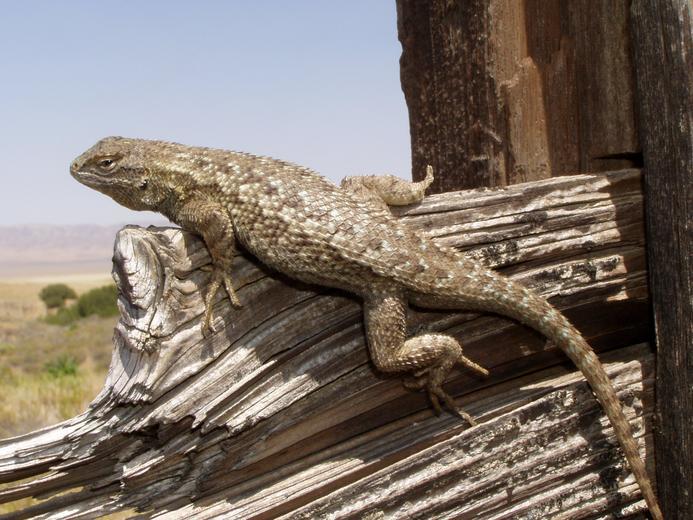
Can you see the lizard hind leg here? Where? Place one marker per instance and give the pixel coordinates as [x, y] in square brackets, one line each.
[427, 357]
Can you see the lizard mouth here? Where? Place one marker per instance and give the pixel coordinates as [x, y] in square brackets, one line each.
[82, 176]
[91, 179]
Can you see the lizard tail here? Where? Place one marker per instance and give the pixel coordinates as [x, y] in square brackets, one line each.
[558, 329]
[491, 292]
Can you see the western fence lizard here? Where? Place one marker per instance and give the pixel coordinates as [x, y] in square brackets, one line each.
[300, 224]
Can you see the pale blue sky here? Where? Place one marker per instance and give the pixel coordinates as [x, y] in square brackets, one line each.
[311, 81]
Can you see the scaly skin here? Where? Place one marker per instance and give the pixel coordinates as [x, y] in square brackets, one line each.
[298, 223]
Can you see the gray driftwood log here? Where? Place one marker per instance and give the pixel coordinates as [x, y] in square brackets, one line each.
[280, 413]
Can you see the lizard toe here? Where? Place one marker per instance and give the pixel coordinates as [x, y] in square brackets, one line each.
[207, 326]
[435, 393]
[228, 285]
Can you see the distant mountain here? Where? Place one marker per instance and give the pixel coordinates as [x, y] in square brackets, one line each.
[30, 250]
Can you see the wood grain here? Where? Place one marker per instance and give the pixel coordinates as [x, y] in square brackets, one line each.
[663, 50]
[280, 412]
[504, 92]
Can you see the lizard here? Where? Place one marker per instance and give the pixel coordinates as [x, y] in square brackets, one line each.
[304, 226]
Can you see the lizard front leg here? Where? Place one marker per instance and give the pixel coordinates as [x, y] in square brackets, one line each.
[213, 223]
[428, 357]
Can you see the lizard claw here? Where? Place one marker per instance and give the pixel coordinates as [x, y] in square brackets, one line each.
[219, 276]
[435, 392]
[207, 327]
[429, 381]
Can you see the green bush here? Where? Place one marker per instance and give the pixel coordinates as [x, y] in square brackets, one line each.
[64, 316]
[101, 301]
[62, 366]
[54, 295]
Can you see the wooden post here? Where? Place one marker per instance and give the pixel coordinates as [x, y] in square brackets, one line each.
[503, 92]
[662, 49]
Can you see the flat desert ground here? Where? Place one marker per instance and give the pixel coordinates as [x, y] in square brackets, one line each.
[34, 256]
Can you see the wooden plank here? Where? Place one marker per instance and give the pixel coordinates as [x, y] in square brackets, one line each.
[281, 413]
[664, 74]
[412, 471]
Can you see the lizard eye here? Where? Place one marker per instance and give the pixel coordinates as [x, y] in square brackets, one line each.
[107, 163]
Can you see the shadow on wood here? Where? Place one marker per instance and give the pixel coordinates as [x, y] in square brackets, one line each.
[280, 413]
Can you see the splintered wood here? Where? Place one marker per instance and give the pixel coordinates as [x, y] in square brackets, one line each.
[280, 414]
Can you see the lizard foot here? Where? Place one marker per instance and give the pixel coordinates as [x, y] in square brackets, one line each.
[435, 392]
[219, 276]
[431, 380]
[432, 385]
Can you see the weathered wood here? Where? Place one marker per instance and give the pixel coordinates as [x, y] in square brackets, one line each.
[663, 51]
[281, 413]
[503, 92]
[453, 120]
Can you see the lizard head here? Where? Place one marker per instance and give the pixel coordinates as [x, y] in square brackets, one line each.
[122, 169]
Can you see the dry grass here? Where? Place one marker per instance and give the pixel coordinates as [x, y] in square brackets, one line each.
[33, 396]
[48, 373]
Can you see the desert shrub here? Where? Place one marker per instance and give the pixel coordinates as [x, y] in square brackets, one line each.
[61, 366]
[54, 295]
[64, 316]
[101, 301]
